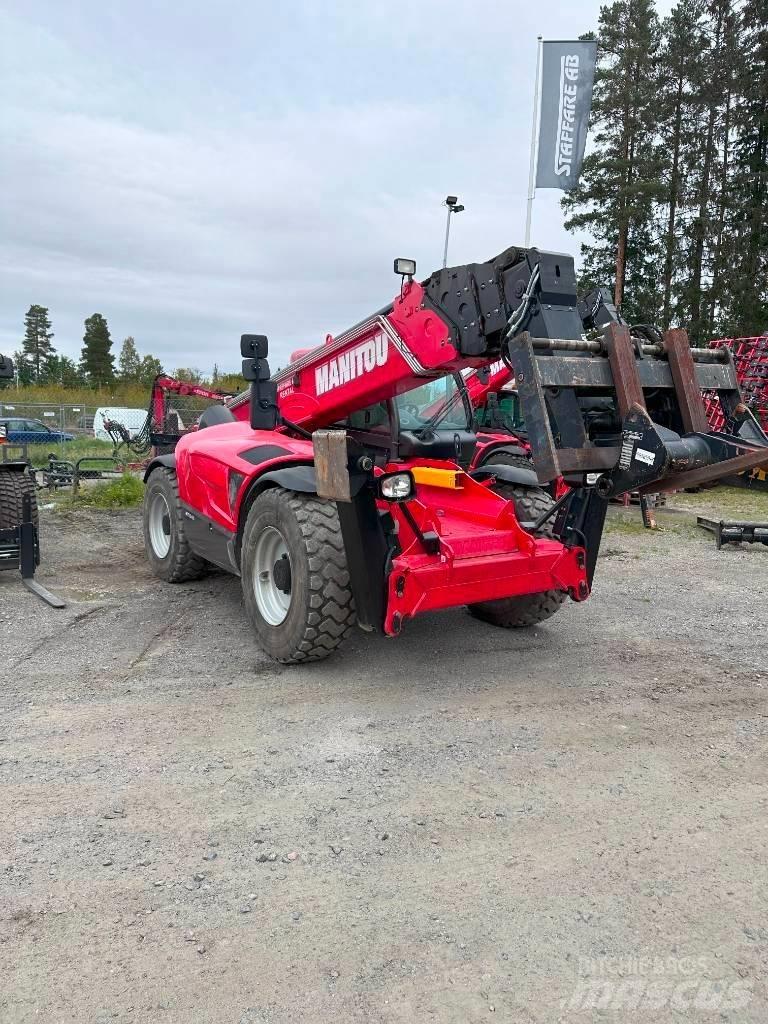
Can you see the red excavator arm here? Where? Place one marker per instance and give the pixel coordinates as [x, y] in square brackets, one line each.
[163, 385]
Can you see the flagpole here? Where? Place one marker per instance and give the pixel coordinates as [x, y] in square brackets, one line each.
[534, 127]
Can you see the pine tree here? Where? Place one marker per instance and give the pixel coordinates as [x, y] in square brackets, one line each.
[678, 98]
[749, 310]
[96, 359]
[38, 347]
[620, 180]
[129, 361]
[701, 287]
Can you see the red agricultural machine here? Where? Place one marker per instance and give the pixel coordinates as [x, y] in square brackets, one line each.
[344, 489]
[750, 357]
[162, 428]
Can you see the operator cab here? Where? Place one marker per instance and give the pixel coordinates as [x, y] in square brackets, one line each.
[431, 421]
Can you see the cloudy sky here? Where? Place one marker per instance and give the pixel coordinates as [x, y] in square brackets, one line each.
[194, 171]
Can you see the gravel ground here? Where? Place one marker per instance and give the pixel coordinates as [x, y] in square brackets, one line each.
[463, 824]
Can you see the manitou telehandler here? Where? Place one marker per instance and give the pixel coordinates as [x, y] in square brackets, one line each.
[341, 490]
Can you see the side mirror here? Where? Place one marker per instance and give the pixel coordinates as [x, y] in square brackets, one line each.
[264, 412]
[254, 346]
[256, 369]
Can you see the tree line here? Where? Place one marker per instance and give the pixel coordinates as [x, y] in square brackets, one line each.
[674, 192]
[38, 362]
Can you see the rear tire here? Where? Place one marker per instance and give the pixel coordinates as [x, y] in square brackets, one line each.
[527, 609]
[295, 577]
[165, 537]
[14, 485]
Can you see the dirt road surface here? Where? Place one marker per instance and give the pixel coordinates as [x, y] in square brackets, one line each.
[461, 825]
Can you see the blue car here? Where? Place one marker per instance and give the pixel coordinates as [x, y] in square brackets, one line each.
[22, 431]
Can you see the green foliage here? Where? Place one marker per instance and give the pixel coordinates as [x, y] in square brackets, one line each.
[149, 369]
[620, 180]
[25, 374]
[231, 383]
[750, 175]
[37, 347]
[674, 191]
[62, 370]
[53, 393]
[96, 360]
[70, 451]
[188, 373]
[124, 492]
[137, 369]
[129, 361]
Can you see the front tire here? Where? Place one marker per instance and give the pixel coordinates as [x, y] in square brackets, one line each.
[295, 578]
[165, 537]
[527, 609]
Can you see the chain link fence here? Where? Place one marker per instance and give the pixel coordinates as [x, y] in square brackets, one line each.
[37, 430]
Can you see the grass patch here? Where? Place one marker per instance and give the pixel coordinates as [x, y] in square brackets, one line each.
[69, 451]
[723, 503]
[126, 491]
[618, 522]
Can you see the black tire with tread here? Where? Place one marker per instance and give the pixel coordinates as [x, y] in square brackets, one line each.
[14, 485]
[322, 609]
[527, 609]
[181, 564]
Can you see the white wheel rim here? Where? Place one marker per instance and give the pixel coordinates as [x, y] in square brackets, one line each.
[159, 525]
[273, 603]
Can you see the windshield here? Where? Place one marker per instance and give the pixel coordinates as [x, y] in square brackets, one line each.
[438, 404]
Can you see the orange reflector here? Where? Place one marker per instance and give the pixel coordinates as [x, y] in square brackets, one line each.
[430, 476]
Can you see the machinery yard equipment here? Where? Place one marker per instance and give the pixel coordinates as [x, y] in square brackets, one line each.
[734, 531]
[750, 357]
[162, 427]
[342, 489]
[19, 536]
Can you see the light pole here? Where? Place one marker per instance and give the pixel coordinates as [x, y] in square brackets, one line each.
[452, 202]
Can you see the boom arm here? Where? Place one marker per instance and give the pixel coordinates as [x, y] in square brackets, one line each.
[627, 405]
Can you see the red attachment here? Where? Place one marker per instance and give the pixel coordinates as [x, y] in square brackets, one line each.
[750, 356]
[484, 552]
[162, 385]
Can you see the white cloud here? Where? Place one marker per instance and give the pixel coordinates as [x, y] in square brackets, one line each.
[189, 210]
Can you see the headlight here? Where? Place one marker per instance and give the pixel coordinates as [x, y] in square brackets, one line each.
[397, 486]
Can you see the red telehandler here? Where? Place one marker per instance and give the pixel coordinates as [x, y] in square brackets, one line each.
[342, 489]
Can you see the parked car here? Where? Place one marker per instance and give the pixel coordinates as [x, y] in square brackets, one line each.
[23, 431]
[132, 419]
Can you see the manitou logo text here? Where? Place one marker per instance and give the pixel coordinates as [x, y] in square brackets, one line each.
[346, 367]
[566, 114]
